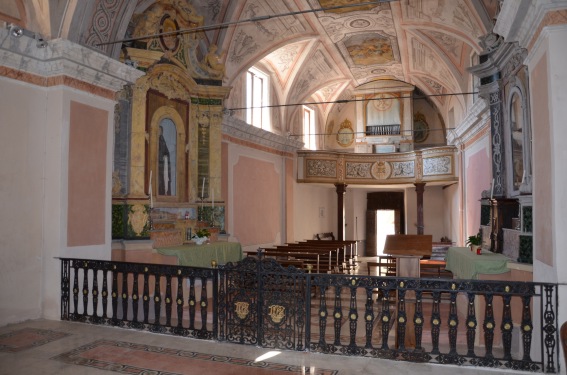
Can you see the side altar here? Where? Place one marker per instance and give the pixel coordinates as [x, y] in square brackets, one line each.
[167, 156]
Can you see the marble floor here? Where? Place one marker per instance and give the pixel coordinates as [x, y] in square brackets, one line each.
[56, 347]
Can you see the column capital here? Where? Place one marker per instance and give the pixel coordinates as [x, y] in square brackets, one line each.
[341, 188]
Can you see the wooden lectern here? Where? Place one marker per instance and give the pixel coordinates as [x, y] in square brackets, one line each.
[408, 249]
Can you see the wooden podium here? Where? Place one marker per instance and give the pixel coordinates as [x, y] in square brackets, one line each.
[408, 250]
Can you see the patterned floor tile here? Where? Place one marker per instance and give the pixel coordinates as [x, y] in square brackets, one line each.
[139, 359]
[28, 338]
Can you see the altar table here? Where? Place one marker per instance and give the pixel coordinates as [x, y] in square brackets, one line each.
[466, 264]
[202, 255]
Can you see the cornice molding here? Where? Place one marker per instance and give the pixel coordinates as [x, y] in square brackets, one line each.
[241, 130]
[475, 121]
[62, 57]
[519, 20]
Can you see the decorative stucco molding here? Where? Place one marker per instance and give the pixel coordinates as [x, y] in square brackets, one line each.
[241, 130]
[64, 58]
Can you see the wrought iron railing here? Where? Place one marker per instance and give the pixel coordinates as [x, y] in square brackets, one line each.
[463, 322]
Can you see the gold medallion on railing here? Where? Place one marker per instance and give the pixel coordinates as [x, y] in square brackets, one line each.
[241, 309]
[381, 170]
[277, 313]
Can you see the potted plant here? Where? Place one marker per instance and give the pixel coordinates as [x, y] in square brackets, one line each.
[201, 236]
[474, 242]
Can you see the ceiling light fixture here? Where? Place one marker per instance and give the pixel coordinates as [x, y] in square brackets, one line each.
[39, 41]
[18, 31]
[15, 30]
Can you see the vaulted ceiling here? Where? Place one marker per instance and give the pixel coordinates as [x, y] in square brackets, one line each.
[315, 55]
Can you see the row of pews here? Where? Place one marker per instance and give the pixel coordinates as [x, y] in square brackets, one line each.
[317, 256]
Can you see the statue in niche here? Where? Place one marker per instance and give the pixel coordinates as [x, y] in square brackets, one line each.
[517, 141]
[164, 166]
[212, 62]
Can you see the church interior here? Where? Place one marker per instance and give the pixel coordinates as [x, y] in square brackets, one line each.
[396, 150]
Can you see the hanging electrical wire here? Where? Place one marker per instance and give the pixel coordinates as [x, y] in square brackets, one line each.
[253, 19]
[342, 101]
[408, 132]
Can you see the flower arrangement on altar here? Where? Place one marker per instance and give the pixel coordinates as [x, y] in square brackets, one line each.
[201, 236]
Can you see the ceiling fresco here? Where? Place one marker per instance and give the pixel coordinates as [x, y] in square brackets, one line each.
[314, 54]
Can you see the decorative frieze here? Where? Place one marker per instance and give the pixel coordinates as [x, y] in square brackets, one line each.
[321, 168]
[358, 170]
[437, 166]
[394, 168]
[403, 169]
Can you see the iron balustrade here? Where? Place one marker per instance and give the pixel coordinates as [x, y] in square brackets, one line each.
[258, 302]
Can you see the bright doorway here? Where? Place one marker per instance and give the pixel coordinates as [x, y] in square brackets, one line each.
[385, 224]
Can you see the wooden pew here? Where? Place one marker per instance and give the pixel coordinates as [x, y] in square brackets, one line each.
[350, 246]
[320, 261]
[331, 254]
[312, 261]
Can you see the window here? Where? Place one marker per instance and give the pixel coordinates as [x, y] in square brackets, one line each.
[257, 101]
[309, 128]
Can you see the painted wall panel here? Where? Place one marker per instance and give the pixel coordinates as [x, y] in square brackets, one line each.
[87, 175]
[256, 204]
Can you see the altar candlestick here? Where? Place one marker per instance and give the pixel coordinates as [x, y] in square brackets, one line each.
[492, 189]
[150, 191]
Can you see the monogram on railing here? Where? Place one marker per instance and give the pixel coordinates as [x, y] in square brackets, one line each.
[459, 322]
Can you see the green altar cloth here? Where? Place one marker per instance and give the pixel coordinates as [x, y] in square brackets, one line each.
[202, 255]
[467, 265]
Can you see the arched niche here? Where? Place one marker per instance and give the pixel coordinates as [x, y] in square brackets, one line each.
[168, 92]
[518, 140]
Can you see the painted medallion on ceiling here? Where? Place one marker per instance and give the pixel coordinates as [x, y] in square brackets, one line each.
[369, 49]
[339, 3]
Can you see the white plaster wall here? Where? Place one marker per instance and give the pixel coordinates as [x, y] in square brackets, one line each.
[452, 213]
[33, 183]
[355, 204]
[22, 151]
[433, 209]
[309, 199]
[552, 43]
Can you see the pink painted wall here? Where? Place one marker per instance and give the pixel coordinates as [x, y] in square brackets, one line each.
[542, 175]
[256, 198]
[87, 175]
[478, 178]
[224, 181]
[289, 181]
